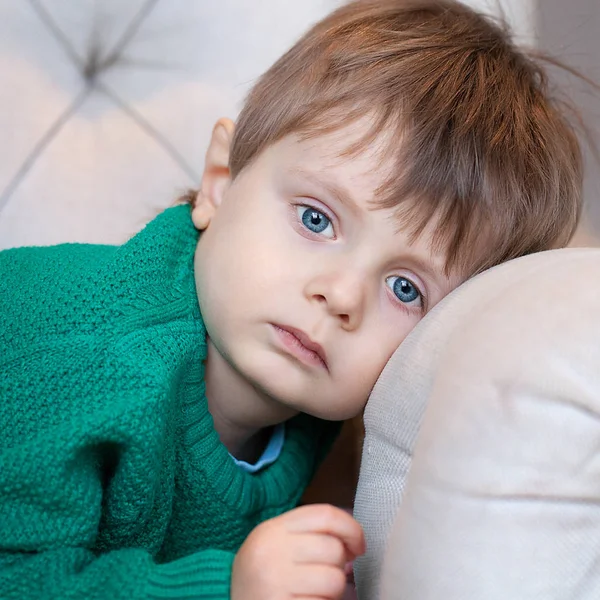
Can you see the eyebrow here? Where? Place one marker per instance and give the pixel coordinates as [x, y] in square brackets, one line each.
[341, 194]
[425, 266]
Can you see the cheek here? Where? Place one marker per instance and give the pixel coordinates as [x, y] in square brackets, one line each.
[380, 343]
[239, 278]
[396, 323]
[362, 365]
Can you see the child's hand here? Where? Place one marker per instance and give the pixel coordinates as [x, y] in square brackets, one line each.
[301, 554]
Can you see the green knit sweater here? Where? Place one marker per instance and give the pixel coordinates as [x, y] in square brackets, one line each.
[113, 482]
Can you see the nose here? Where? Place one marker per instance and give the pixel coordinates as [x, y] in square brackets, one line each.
[342, 293]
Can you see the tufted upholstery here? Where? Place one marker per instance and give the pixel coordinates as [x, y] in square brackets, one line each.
[106, 105]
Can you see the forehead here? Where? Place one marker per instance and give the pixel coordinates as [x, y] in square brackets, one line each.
[340, 156]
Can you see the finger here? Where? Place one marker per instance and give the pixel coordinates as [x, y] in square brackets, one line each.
[324, 518]
[320, 581]
[320, 549]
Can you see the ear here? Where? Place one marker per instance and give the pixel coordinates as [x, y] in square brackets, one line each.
[216, 177]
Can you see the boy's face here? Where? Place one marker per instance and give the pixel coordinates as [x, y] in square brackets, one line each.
[306, 289]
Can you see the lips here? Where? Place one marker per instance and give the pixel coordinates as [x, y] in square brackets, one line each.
[305, 342]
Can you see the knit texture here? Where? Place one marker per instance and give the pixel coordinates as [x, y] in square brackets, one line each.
[113, 481]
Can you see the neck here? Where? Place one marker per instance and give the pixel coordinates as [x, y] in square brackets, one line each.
[243, 415]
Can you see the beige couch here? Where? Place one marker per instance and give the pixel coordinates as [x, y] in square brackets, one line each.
[480, 477]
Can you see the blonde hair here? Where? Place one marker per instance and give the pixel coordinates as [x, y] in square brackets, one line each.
[475, 137]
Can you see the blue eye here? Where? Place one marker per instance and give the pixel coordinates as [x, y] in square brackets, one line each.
[315, 221]
[405, 290]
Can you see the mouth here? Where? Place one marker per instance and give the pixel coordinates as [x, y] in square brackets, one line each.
[299, 344]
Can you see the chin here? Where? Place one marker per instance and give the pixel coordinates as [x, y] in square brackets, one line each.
[294, 388]
[303, 401]
[287, 395]
[282, 393]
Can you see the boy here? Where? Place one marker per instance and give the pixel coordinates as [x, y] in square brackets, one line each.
[397, 149]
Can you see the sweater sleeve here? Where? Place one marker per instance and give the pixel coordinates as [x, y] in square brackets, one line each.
[54, 497]
[129, 574]
[53, 472]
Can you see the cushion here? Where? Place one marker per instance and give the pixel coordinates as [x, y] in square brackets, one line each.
[480, 475]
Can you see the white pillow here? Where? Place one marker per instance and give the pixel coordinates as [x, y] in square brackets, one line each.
[502, 498]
